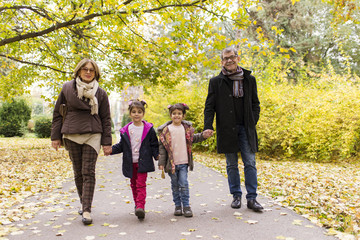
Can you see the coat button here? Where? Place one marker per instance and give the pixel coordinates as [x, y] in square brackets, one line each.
[230, 95]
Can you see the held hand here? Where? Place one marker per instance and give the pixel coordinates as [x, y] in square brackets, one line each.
[107, 150]
[56, 144]
[208, 133]
[161, 167]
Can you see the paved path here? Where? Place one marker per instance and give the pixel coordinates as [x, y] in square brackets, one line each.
[114, 219]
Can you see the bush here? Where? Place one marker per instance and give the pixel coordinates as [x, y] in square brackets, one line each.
[125, 119]
[43, 127]
[14, 116]
[193, 95]
[318, 121]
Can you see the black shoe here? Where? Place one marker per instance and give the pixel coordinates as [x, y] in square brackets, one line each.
[80, 212]
[140, 213]
[178, 211]
[254, 205]
[236, 203]
[86, 219]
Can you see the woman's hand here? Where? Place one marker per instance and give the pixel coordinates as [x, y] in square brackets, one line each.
[107, 150]
[56, 144]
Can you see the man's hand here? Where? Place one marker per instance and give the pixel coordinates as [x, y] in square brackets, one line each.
[161, 167]
[208, 133]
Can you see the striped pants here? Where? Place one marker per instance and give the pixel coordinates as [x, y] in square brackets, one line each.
[83, 158]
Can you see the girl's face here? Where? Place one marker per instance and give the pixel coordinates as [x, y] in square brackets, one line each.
[136, 115]
[177, 116]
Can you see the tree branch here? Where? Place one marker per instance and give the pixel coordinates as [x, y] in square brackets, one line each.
[86, 18]
[135, 33]
[34, 64]
[53, 28]
[36, 10]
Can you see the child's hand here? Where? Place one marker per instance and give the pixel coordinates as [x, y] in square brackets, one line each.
[107, 150]
[161, 167]
[208, 133]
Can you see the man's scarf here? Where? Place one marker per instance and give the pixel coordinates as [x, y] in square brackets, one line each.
[88, 90]
[238, 81]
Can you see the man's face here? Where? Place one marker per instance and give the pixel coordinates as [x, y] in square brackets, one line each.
[230, 61]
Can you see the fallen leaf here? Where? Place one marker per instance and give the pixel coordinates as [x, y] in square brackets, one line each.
[237, 214]
[17, 233]
[251, 221]
[297, 222]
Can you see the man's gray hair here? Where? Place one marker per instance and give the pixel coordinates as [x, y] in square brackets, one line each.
[227, 50]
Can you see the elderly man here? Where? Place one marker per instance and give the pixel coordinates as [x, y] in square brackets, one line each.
[232, 96]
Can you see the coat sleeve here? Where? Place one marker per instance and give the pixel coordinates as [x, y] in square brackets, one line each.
[154, 143]
[104, 114]
[163, 155]
[117, 148]
[56, 124]
[198, 137]
[255, 102]
[209, 111]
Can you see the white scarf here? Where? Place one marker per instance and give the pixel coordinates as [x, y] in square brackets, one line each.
[88, 90]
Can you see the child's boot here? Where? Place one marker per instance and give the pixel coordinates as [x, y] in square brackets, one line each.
[140, 213]
[178, 211]
[187, 212]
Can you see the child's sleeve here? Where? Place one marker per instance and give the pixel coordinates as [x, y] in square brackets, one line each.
[154, 144]
[163, 154]
[117, 148]
[198, 137]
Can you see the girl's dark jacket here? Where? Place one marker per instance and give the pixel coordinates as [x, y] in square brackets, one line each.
[219, 101]
[78, 119]
[165, 158]
[149, 149]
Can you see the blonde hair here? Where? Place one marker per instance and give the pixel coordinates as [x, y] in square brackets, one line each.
[82, 63]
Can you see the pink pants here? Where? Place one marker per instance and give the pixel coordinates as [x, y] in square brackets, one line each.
[138, 187]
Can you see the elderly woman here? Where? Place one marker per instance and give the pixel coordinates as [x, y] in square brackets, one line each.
[85, 127]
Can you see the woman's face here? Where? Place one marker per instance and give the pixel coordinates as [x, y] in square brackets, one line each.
[87, 73]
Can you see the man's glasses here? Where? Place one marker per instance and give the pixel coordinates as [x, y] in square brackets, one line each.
[88, 70]
[233, 57]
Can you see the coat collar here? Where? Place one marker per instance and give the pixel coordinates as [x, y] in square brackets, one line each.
[246, 74]
[161, 128]
[147, 127]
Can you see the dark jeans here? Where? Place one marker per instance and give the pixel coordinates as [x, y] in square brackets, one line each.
[250, 172]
